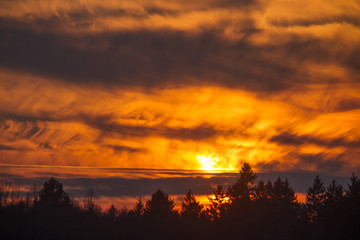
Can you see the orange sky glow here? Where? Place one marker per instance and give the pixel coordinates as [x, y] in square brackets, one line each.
[190, 85]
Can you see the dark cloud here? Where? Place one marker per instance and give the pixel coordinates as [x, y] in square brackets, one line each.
[348, 104]
[27, 117]
[120, 148]
[134, 187]
[318, 20]
[161, 11]
[84, 14]
[166, 57]
[142, 58]
[248, 4]
[5, 147]
[123, 187]
[46, 145]
[286, 138]
[107, 124]
[321, 161]
[302, 180]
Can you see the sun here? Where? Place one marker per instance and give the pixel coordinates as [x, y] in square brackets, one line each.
[210, 163]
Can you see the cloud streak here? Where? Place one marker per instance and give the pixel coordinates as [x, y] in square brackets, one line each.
[292, 139]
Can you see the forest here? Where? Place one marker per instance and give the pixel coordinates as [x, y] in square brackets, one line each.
[246, 210]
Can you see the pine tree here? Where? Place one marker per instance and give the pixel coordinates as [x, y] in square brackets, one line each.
[219, 203]
[190, 208]
[242, 189]
[90, 205]
[160, 206]
[283, 194]
[334, 193]
[315, 197]
[113, 212]
[52, 192]
[139, 208]
[332, 212]
[354, 188]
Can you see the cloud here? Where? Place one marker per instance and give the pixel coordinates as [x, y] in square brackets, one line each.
[78, 185]
[45, 145]
[119, 148]
[286, 138]
[107, 124]
[5, 147]
[142, 58]
[348, 104]
[322, 161]
[156, 84]
[317, 20]
[225, 52]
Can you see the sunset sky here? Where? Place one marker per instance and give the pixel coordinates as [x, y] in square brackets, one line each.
[179, 84]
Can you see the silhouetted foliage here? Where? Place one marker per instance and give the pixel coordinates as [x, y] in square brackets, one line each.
[352, 207]
[283, 194]
[334, 194]
[160, 206]
[219, 203]
[354, 188]
[315, 199]
[52, 192]
[89, 204]
[242, 189]
[9, 194]
[139, 209]
[190, 208]
[239, 208]
[246, 211]
[113, 212]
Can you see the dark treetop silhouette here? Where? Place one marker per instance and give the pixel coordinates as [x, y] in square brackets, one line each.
[244, 211]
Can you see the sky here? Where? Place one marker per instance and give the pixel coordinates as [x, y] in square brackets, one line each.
[186, 85]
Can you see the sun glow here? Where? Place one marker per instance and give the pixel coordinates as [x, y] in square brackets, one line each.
[210, 163]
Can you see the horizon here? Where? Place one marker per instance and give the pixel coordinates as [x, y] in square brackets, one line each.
[123, 186]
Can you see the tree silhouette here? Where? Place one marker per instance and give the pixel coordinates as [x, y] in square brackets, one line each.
[354, 188]
[219, 203]
[283, 194]
[52, 192]
[352, 209]
[280, 211]
[139, 208]
[160, 216]
[160, 205]
[263, 211]
[241, 194]
[242, 189]
[331, 215]
[190, 208]
[113, 212]
[90, 205]
[315, 197]
[9, 193]
[263, 192]
[334, 193]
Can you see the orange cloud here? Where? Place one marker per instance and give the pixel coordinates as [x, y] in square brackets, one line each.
[170, 128]
[164, 84]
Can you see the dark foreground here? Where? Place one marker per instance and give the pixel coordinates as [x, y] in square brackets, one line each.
[244, 211]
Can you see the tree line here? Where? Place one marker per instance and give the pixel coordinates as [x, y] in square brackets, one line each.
[266, 210]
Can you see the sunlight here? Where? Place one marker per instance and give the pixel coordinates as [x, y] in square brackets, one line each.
[210, 163]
